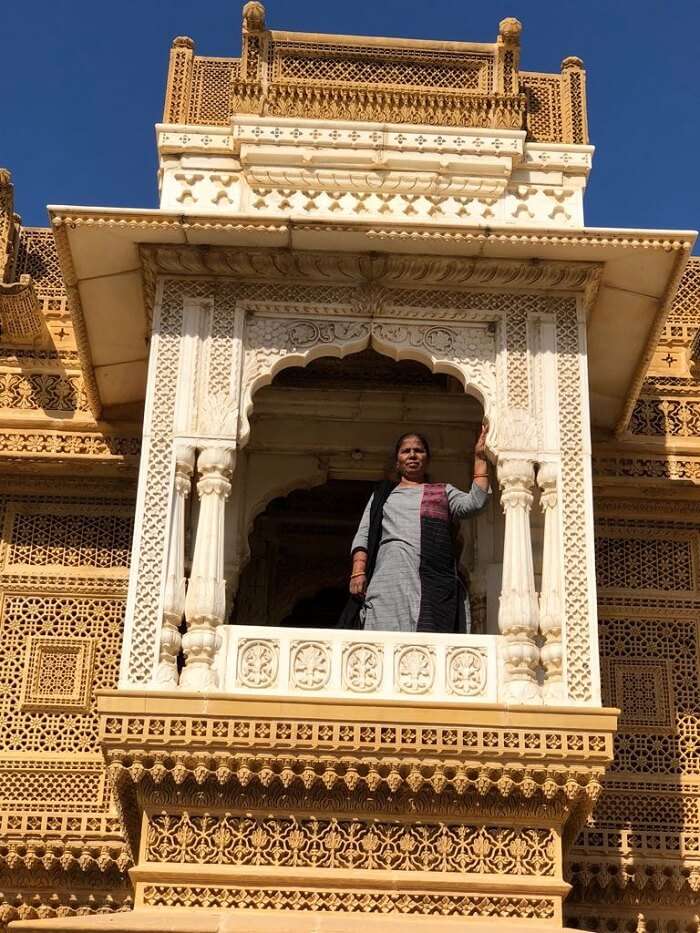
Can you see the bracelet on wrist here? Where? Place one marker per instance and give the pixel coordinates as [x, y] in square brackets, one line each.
[360, 573]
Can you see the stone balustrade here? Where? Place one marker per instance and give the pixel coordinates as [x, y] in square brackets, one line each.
[342, 664]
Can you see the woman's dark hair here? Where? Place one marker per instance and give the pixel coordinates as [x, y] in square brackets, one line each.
[421, 438]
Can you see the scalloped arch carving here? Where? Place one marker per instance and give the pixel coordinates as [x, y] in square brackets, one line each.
[465, 351]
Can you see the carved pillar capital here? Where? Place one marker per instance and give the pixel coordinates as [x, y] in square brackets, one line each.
[516, 479]
[547, 475]
[215, 459]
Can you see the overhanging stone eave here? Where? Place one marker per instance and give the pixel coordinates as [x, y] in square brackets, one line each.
[102, 250]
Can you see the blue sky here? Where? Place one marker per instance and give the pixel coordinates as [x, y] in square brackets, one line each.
[84, 85]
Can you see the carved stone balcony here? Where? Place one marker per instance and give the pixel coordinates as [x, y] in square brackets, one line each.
[346, 664]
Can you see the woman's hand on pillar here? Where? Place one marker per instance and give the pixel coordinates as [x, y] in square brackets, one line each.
[481, 467]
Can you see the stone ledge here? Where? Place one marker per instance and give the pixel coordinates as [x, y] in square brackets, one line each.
[197, 920]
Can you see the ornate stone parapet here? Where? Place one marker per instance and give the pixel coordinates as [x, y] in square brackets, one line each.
[365, 665]
[352, 809]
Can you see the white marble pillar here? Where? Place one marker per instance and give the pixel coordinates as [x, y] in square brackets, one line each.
[550, 595]
[205, 605]
[518, 611]
[174, 599]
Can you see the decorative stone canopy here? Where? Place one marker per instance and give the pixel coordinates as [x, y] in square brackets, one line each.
[107, 257]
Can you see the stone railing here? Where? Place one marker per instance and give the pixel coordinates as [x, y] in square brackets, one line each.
[377, 665]
[385, 80]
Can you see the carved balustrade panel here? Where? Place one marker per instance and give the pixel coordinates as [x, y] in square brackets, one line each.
[387, 665]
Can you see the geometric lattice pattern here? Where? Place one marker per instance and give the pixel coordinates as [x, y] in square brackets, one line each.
[356, 70]
[638, 856]
[63, 563]
[638, 561]
[24, 616]
[686, 304]
[544, 118]
[42, 786]
[326, 78]
[57, 673]
[670, 649]
[37, 256]
[643, 690]
[39, 538]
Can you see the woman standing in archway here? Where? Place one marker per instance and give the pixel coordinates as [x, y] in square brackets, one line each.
[404, 575]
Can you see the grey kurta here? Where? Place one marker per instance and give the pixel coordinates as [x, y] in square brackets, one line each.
[392, 600]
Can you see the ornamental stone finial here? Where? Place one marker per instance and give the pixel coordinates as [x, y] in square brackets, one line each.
[510, 29]
[571, 61]
[253, 16]
[183, 42]
[5, 176]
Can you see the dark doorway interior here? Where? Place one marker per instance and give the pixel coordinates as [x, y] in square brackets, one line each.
[300, 556]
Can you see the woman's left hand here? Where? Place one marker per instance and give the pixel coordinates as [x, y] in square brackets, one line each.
[480, 446]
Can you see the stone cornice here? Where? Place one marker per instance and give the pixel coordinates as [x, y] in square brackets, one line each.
[33, 853]
[359, 269]
[74, 218]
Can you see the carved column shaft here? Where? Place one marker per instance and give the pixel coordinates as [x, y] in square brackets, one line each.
[174, 599]
[550, 595]
[518, 611]
[205, 605]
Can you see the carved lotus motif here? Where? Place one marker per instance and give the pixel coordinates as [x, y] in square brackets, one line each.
[310, 665]
[466, 671]
[415, 669]
[362, 668]
[258, 662]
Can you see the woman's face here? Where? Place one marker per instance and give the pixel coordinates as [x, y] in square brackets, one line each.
[412, 459]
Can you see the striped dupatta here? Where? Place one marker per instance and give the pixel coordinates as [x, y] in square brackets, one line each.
[441, 608]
